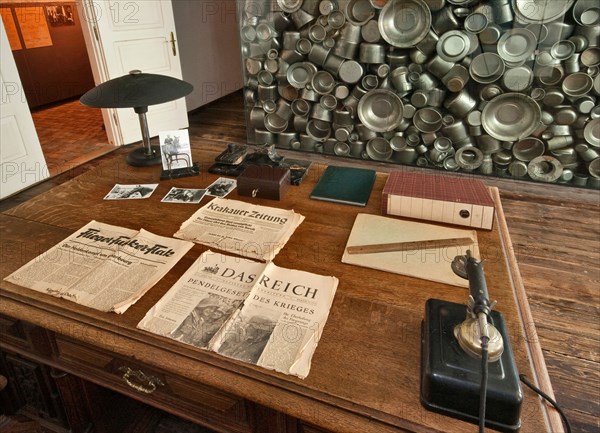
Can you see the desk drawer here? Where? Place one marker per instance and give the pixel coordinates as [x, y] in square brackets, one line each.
[197, 402]
[18, 334]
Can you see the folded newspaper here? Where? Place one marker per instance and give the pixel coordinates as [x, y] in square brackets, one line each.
[102, 266]
[254, 312]
[256, 232]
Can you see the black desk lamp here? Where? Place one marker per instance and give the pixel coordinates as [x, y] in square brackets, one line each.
[138, 90]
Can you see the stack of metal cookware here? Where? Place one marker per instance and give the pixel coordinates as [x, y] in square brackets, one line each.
[503, 87]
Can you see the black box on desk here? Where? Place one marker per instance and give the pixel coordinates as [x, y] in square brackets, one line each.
[264, 181]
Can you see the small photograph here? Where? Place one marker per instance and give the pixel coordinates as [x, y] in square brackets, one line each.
[221, 187]
[184, 195]
[131, 192]
[60, 15]
[175, 149]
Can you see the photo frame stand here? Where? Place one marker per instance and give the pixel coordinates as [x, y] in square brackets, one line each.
[192, 170]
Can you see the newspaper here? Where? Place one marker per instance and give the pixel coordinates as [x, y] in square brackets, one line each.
[256, 232]
[102, 266]
[254, 312]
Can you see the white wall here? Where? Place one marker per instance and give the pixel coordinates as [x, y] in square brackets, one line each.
[207, 33]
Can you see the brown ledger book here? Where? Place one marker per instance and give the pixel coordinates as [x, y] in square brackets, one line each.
[440, 198]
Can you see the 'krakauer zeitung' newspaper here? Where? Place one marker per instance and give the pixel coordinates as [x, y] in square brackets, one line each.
[102, 266]
[253, 231]
[254, 312]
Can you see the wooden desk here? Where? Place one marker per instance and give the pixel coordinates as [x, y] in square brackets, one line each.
[365, 372]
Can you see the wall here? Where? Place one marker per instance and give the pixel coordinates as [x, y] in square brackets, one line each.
[208, 39]
[56, 66]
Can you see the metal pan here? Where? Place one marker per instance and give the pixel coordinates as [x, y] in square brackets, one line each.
[517, 45]
[378, 149]
[359, 12]
[586, 12]
[275, 123]
[453, 46]
[404, 23]
[298, 75]
[543, 11]
[563, 50]
[341, 149]
[545, 169]
[591, 57]
[528, 149]
[577, 84]
[518, 79]
[511, 116]
[380, 110]
[476, 23]
[487, 68]
[427, 120]
[289, 6]
[591, 133]
[323, 82]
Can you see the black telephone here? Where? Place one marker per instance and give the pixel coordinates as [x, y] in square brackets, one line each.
[454, 339]
[233, 155]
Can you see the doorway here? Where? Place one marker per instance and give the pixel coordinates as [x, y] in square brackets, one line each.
[49, 49]
[70, 134]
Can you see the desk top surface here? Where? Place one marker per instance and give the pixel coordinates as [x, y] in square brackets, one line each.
[365, 371]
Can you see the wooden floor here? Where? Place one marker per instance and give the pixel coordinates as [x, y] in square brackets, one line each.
[70, 134]
[555, 231]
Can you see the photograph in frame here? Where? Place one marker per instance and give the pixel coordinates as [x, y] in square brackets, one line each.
[175, 150]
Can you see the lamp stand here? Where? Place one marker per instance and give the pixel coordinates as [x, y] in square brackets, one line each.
[148, 155]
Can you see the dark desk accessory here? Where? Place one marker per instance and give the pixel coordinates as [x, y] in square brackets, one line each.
[233, 155]
[176, 173]
[138, 91]
[264, 181]
[262, 155]
[467, 366]
[347, 185]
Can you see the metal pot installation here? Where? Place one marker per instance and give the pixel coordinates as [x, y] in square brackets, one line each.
[508, 88]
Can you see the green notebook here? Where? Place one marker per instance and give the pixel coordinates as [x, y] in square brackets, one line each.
[345, 185]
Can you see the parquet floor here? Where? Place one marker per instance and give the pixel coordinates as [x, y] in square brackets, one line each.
[555, 231]
[70, 134]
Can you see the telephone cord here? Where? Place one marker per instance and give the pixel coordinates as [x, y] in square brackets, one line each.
[483, 386]
[549, 399]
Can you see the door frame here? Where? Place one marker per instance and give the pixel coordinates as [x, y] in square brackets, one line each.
[88, 18]
[95, 17]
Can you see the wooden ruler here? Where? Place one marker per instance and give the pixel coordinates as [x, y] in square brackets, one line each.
[406, 246]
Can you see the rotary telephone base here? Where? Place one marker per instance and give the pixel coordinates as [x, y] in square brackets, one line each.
[237, 157]
[450, 378]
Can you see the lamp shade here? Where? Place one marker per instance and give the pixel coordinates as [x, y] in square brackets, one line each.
[136, 90]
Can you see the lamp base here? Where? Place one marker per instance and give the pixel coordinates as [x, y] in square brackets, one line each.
[139, 158]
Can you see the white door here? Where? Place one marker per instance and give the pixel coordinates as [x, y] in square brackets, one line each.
[126, 35]
[22, 162]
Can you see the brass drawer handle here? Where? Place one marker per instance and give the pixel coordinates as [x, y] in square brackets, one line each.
[147, 383]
